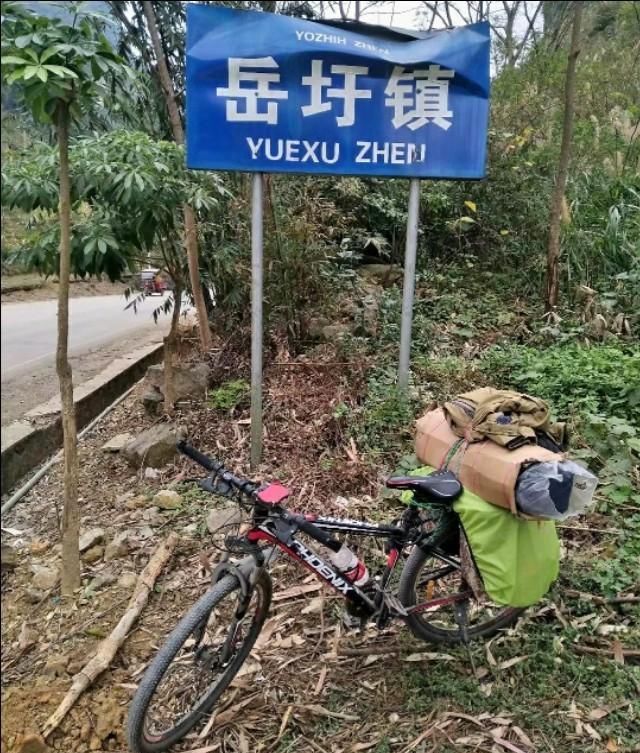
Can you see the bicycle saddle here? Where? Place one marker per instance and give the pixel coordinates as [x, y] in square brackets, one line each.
[439, 486]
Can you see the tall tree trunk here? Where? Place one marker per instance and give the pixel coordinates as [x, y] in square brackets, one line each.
[190, 225]
[170, 347]
[555, 217]
[70, 515]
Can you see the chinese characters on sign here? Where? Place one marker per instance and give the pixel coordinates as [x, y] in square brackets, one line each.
[417, 97]
[420, 97]
[274, 93]
[262, 90]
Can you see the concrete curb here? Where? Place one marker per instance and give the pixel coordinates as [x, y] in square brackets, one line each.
[30, 441]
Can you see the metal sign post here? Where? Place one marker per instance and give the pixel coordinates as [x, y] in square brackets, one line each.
[409, 283]
[256, 320]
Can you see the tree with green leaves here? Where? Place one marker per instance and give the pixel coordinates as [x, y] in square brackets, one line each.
[127, 195]
[190, 225]
[58, 70]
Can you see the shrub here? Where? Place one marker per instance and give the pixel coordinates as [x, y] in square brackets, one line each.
[575, 379]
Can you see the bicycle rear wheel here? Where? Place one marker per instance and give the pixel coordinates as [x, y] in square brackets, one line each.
[438, 595]
[198, 662]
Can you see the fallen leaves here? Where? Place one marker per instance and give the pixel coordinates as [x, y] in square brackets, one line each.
[317, 710]
[507, 745]
[285, 720]
[582, 717]
[27, 638]
[511, 662]
[320, 684]
[428, 656]
[314, 606]
[493, 730]
[295, 591]
[289, 642]
[524, 739]
[618, 653]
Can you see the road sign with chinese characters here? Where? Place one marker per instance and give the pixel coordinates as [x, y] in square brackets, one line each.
[273, 93]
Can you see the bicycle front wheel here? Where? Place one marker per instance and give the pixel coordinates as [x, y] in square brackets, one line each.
[438, 601]
[200, 658]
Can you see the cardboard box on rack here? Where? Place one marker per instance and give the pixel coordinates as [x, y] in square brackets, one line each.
[485, 468]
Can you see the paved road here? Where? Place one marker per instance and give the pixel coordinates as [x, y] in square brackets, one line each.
[29, 329]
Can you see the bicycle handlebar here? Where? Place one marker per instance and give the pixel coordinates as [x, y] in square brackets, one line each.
[241, 484]
[199, 457]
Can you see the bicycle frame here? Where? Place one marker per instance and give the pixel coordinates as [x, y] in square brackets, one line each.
[279, 527]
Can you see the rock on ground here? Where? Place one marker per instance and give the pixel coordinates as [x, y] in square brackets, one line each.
[118, 547]
[45, 577]
[152, 401]
[94, 554]
[9, 557]
[381, 274]
[166, 499]
[115, 444]
[190, 380]
[155, 447]
[90, 538]
[127, 580]
[218, 518]
[33, 744]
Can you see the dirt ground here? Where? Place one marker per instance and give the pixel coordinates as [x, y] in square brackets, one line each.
[44, 290]
[308, 686]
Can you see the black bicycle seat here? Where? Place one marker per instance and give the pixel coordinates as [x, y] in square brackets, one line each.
[439, 486]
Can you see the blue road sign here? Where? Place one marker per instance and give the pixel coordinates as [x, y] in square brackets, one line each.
[272, 93]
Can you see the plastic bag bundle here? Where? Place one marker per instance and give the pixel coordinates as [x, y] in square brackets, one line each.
[555, 490]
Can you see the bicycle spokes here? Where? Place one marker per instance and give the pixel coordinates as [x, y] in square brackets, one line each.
[200, 664]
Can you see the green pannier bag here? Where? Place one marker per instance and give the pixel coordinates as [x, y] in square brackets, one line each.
[518, 559]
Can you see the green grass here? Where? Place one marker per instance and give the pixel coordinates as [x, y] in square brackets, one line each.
[536, 693]
[230, 395]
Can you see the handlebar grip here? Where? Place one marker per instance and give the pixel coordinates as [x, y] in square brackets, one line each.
[198, 457]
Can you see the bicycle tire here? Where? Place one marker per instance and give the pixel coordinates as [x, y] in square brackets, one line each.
[425, 631]
[154, 674]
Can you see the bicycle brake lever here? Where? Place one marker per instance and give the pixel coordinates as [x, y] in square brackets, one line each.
[216, 486]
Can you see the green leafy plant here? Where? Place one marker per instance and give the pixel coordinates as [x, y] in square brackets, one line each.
[614, 449]
[616, 569]
[598, 390]
[230, 395]
[57, 71]
[126, 192]
[576, 380]
[384, 421]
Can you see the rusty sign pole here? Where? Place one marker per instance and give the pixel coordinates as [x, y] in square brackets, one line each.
[256, 319]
